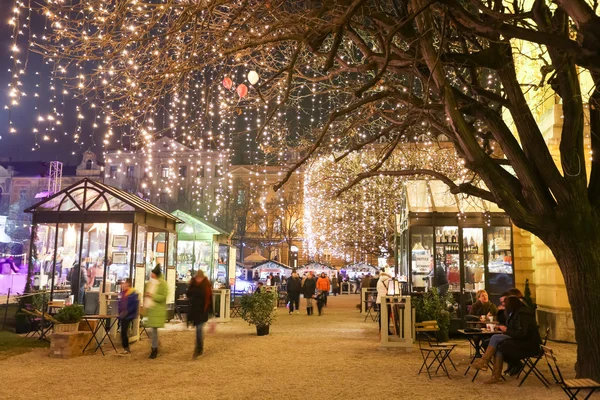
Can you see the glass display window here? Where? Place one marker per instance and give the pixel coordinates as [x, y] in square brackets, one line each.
[473, 253]
[221, 275]
[447, 259]
[500, 261]
[67, 251]
[93, 254]
[421, 257]
[119, 252]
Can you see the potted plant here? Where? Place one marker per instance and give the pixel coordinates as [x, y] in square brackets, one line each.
[527, 296]
[69, 317]
[258, 309]
[432, 306]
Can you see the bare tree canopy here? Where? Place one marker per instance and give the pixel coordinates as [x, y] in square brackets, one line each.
[397, 69]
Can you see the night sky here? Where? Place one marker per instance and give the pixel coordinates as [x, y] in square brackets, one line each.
[19, 146]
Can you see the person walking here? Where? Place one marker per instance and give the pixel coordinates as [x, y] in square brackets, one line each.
[334, 285]
[294, 286]
[324, 286]
[309, 286]
[199, 293]
[155, 302]
[128, 306]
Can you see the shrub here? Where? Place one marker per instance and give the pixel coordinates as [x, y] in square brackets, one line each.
[258, 308]
[70, 314]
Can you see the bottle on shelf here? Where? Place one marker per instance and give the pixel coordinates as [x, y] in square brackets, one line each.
[453, 237]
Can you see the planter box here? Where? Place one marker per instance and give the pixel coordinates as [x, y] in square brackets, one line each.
[68, 344]
[58, 328]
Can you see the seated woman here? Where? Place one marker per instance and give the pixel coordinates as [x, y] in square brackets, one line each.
[483, 305]
[520, 339]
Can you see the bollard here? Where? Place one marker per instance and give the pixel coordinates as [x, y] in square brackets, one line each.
[6, 310]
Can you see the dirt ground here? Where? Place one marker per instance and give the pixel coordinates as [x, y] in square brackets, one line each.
[335, 356]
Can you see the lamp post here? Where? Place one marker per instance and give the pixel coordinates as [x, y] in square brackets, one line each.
[293, 257]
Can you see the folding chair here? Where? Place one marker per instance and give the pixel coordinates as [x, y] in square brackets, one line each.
[370, 306]
[432, 354]
[143, 329]
[235, 308]
[432, 326]
[529, 365]
[571, 387]
[35, 323]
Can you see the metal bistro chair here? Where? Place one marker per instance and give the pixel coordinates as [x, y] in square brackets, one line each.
[372, 310]
[571, 387]
[236, 307]
[530, 365]
[433, 353]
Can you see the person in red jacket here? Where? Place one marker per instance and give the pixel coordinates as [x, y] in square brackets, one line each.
[323, 285]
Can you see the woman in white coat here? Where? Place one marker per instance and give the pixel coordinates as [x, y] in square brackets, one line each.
[382, 290]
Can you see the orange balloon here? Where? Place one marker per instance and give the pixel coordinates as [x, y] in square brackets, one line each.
[242, 90]
[227, 82]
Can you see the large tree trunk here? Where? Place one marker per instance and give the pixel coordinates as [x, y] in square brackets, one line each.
[577, 251]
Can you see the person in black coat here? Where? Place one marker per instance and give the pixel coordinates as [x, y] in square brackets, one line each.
[520, 339]
[199, 294]
[294, 287]
[309, 287]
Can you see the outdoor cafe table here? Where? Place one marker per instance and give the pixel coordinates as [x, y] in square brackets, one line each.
[476, 339]
[104, 321]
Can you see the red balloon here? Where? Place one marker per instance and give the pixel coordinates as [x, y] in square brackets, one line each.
[242, 90]
[227, 83]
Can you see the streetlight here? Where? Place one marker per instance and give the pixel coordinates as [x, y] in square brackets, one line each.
[293, 257]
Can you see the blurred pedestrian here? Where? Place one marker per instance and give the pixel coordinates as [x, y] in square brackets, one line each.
[129, 305]
[334, 285]
[324, 286]
[294, 286]
[309, 286]
[199, 293]
[155, 304]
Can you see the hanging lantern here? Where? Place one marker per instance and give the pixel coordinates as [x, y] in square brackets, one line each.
[242, 90]
[227, 82]
[253, 77]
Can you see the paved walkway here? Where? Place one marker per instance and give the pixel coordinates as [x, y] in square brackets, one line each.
[334, 356]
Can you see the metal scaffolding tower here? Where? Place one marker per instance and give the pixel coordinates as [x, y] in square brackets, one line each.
[54, 177]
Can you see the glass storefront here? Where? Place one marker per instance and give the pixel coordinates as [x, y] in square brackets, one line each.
[458, 257]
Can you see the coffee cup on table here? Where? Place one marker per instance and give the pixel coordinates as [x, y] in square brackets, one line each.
[490, 327]
[490, 318]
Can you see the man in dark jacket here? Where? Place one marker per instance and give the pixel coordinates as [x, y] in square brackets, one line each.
[294, 286]
[129, 305]
[199, 294]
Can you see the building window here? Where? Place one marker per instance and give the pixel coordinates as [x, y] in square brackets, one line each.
[113, 172]
[23, 194]
[217, 171]
[130, 171]
[182, 171]
[164, 172]
[241, 196]
[200, 172]
[202, 194]
[89, 164]
[163, 197]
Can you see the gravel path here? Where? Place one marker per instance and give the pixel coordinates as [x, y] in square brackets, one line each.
[334, 356]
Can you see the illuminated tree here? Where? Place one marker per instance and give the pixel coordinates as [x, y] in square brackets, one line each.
[377, 68]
